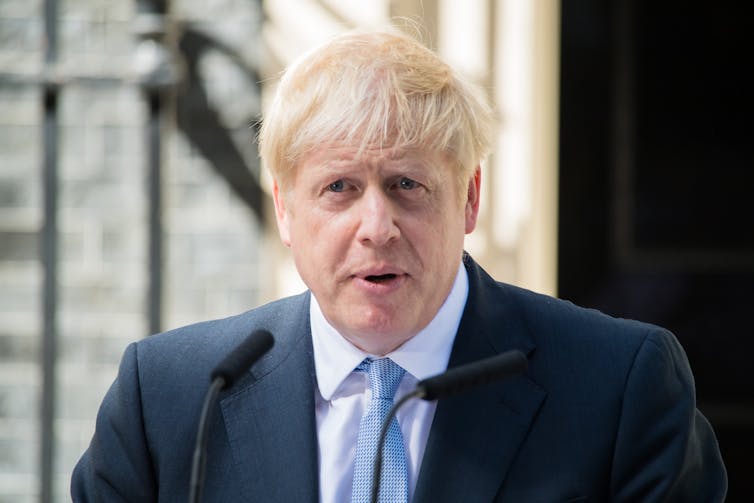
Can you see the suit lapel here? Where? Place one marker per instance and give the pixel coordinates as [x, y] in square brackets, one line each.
[270, 421]
[475, 436]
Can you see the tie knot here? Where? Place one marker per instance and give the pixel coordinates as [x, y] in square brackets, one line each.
[384, 377]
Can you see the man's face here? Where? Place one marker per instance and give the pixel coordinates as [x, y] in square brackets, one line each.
[377, 237]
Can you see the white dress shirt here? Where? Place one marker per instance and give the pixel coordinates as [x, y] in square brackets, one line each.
[343, 395]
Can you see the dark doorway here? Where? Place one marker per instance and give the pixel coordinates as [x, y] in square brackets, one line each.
[657, 188]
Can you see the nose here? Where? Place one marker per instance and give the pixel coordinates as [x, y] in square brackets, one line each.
[377, 226]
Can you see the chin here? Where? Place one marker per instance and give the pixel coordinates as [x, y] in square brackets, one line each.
[377, 321]
[378, 344]
[382, 339]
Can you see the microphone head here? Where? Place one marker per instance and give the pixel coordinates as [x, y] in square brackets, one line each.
[240, 359]
[465, 377]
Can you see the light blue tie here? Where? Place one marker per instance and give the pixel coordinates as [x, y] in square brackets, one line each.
[384, 377]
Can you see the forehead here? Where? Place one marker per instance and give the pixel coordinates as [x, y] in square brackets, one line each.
[342, 157]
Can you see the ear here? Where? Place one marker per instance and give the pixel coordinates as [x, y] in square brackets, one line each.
[281, 215]
[472, 200]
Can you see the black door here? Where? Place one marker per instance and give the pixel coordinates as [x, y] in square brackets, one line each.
[657, 188]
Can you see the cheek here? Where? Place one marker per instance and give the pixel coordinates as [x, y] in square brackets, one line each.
[315, 237]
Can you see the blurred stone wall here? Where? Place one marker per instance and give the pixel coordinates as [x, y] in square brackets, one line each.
[212, 242]
[20, 289]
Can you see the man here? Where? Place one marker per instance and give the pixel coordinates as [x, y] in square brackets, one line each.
[374, 146]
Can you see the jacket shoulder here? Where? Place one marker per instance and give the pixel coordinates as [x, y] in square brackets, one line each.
[194, 350]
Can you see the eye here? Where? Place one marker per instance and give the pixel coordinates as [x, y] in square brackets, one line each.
[336, 186]
[407, 183]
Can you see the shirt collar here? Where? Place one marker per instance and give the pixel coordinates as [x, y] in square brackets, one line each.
[424, 355]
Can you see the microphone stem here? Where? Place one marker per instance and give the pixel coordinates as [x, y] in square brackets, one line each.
[200, 451]
[377, 471]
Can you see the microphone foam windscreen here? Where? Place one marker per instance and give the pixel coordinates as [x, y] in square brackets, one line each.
[240, 359]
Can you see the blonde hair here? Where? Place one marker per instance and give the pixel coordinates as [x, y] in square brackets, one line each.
[374, 89]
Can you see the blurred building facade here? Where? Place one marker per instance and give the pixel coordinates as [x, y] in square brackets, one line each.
[87, 110]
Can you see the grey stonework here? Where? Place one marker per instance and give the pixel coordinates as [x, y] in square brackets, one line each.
[212, 249]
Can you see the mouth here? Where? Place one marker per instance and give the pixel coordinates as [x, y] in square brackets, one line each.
[380, 278]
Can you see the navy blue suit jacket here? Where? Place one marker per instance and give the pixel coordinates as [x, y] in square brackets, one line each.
[605, 412]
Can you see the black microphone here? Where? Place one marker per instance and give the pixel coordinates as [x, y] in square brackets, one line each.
[471, 375]
[453, 381]
[224, 375]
